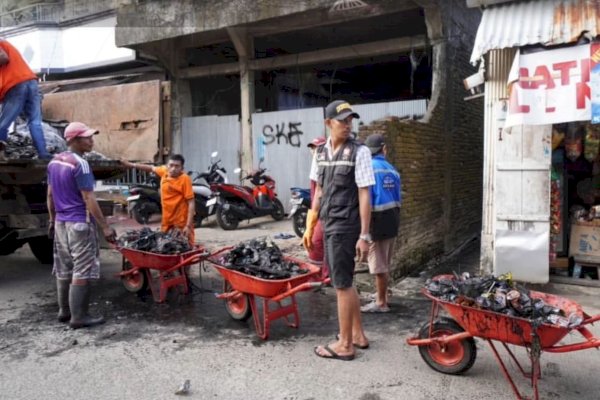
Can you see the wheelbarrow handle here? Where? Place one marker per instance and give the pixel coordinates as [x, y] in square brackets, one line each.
[187, 261]
[224, 249]
[296, 289]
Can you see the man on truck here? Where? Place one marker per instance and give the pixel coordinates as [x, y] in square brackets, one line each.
[74, 213]
[19, 92]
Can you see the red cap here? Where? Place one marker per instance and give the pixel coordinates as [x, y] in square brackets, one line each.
[78, 129]
[316, 142]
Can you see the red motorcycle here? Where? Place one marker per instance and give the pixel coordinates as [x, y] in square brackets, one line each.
[236, 202]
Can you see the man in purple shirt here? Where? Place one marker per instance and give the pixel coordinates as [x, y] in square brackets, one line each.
[74, 213]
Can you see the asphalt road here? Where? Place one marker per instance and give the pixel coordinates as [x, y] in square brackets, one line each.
[146, 350]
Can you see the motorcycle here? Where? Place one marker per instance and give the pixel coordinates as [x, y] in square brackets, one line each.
[238, 202]
[145, 199]
[300, 201]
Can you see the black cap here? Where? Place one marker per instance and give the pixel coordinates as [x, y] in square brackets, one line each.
[340, 110]
[375, 143]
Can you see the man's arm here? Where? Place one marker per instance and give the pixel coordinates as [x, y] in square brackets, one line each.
[364, 207]
[3, 57]
[316, 201]
[141, 167]
[92, 206]
[50, 204]
[191, 213]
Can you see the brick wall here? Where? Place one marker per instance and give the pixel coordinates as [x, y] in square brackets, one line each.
[440, 158]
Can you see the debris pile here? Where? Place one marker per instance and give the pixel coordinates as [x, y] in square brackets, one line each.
[262, 259]
[499, 294]
[20, 146]
[145, 239]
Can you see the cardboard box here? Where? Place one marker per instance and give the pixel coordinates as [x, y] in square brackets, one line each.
[584, 245]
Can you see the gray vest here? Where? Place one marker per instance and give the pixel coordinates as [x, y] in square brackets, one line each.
[339, 210]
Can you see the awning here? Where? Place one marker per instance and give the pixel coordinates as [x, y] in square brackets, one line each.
[548, 22]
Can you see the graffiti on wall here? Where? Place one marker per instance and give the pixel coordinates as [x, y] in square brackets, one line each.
[289, 134]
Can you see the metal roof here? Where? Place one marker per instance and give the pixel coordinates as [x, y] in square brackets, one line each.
[547, 22]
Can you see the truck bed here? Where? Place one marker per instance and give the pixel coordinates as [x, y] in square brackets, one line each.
[18, 172]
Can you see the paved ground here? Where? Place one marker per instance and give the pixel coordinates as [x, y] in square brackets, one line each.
[146, 350]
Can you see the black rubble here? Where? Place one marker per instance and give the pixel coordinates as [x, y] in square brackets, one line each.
[145, 239]
[498, 294]
[262, 259]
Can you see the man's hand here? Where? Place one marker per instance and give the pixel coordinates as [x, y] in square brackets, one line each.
[362, 250]
[187, 230]
[51, 230]
[109, 234]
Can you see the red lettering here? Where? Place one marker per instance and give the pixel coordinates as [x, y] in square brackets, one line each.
[564, 68]
[513, 104]
[585, 70]
[542, 77]
[583, 92]
[524, 73]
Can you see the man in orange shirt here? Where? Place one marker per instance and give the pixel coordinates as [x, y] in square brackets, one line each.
[176, 194]
[19, 92]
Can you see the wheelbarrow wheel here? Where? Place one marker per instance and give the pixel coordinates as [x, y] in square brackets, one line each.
[133, 282]
[455, 357]
[238, 308]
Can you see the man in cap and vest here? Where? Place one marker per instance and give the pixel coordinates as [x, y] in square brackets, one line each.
[386, 197]
[343, 171]
[74, 213]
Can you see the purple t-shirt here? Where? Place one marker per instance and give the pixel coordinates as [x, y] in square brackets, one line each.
[68, 175]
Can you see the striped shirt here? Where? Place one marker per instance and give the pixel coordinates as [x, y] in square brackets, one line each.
[363, 171]
[68, 175]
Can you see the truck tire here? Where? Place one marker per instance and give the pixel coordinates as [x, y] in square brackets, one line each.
[43, 249]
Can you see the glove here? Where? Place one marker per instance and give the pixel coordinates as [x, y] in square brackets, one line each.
[311, 221]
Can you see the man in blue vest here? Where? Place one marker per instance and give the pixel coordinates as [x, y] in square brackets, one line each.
[386, 197]
[343, 171]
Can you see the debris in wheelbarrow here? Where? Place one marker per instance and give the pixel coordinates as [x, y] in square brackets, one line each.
[499, 294]
[261, 259]
[145, 239]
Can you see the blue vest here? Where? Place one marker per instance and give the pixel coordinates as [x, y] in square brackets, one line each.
[386, 197]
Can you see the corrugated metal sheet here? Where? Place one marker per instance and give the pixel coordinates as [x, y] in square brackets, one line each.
[548, 22]
[203, 135]
[401, 109]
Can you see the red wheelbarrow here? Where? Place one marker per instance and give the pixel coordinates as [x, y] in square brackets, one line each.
[447, 344]
[170, 270]
[240, 290]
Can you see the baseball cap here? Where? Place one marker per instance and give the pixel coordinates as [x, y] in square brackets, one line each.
[340, 110]
[78, 129]
[375, 142]
[316, 142]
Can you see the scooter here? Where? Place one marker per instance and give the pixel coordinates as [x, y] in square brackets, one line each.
[237, 202]
[145, 199]
[300, 201]
[203, 185]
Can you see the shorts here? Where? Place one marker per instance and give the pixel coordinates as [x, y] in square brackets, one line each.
[380, 255]
[76, 251]
[340, 250]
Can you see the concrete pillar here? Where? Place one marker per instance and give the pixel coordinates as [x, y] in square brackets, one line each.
[244, 46]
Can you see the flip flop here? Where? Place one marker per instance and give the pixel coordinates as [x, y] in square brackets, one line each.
[333, 355]
[358, 346]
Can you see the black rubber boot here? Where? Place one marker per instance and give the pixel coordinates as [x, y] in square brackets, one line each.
[79, 297]
[62, 292]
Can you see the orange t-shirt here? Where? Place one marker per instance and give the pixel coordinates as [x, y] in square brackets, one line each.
[15, 71]
[174, 195]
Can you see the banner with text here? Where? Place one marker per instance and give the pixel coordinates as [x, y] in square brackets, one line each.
[550, 87]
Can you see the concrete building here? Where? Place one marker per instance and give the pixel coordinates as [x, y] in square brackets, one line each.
[252, 59]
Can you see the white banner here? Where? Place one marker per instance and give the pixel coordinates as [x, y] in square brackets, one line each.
[550, 87]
